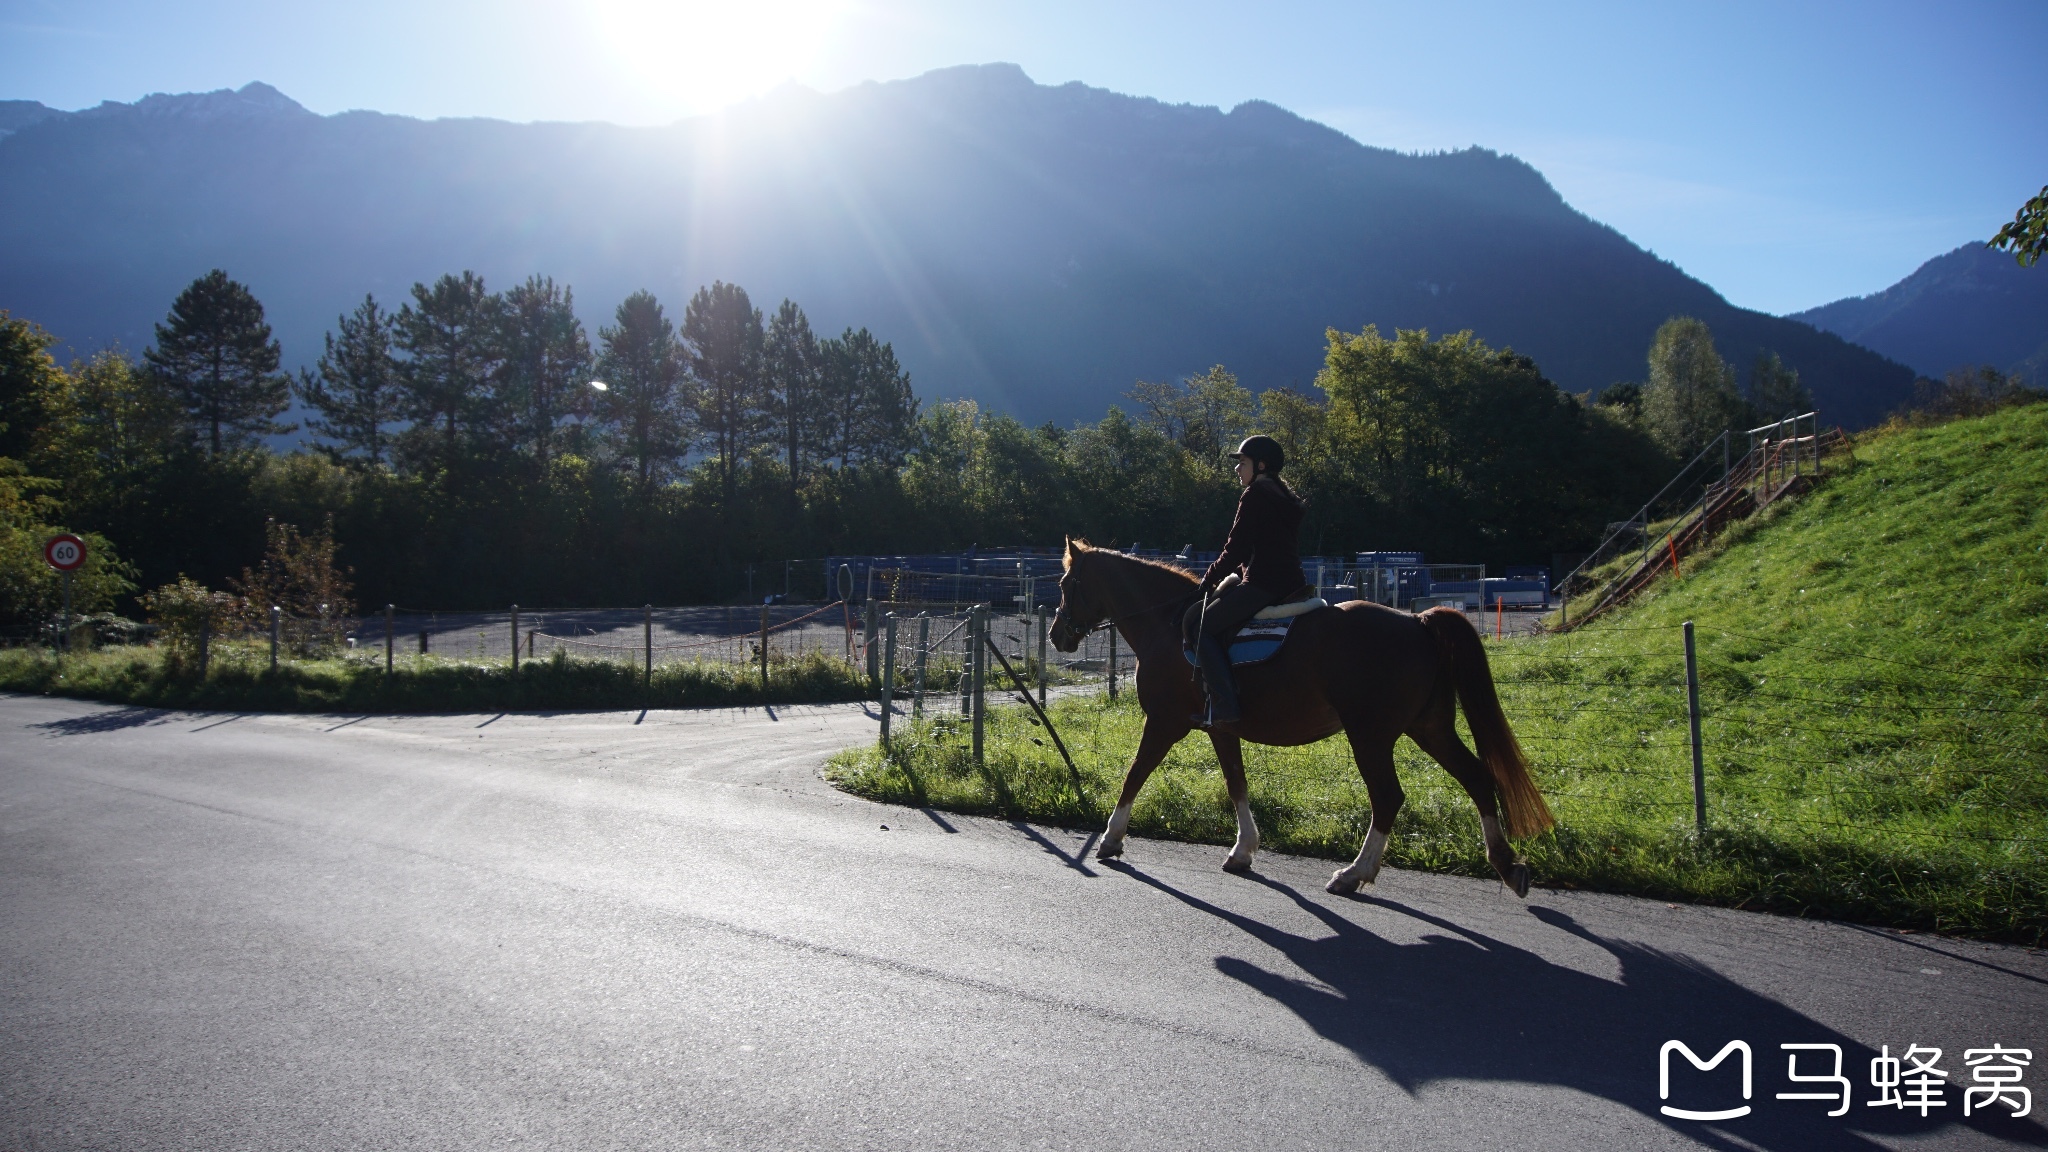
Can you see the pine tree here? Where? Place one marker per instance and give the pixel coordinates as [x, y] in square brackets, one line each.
[643, 401]
[355, 388]
[217, 357]
[793, 378]
[546, 371]
[869, 411]
[723, 329]
[450, 334]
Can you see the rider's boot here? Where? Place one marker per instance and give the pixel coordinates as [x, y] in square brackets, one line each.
[1221, 685]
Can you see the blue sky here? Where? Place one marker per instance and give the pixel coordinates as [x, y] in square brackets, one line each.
[1788, 154]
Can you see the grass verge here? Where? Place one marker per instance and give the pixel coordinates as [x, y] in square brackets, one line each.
[241, 680]
[1874, 685]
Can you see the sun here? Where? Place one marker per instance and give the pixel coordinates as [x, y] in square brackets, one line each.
[702, 56]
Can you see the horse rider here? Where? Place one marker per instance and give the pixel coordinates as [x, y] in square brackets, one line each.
[1263, 551]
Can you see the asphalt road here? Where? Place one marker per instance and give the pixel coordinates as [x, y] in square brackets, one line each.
[665, 931]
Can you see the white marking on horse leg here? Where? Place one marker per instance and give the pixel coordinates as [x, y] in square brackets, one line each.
[1113, 836]
[1366, 868]
[1247, 838]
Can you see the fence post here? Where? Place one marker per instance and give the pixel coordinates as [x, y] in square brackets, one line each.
[276, 627]
[1112, 663]
[867, 636]
[515, 639]
[924, 641]
[1044, 656]
[888, 675]
[979, 640]
[764, 653]
[647, 647]
[1692, 704]
[390, 635]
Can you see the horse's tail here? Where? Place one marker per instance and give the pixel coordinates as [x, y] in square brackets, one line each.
[1521, 803]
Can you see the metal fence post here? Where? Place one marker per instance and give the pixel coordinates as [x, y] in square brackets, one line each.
[515, 639]
[647, 646]
[924, 643]
[979, 640]
[888, 675]
[1692, 704]
[390, 636]
[1112, 663]
[867, 637]
[276, 627]
[764, 653]
[1044, 657]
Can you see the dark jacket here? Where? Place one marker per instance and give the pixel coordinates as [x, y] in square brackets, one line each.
[1264, 540]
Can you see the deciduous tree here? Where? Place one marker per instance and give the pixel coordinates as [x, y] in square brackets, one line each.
[1691, 396]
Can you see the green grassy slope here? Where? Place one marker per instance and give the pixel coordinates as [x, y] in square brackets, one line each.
[1874, 683]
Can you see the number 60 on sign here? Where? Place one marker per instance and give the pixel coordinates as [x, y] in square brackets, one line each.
[64, 552]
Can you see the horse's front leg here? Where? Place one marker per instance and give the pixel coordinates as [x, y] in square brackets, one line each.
[1159, 738]
[1230, 754]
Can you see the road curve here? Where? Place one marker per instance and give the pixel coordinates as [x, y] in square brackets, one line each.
[663, 930]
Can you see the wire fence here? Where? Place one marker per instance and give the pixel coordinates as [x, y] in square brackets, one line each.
[1864, 745]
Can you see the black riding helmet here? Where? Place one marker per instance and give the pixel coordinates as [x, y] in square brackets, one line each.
[1262, 450]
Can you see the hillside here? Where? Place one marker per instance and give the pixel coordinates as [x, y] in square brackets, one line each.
[1038, 248]
[1873, 663]
[1967, 307]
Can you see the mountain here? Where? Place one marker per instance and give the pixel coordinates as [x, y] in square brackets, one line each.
[1037, 248]
[1966, 307]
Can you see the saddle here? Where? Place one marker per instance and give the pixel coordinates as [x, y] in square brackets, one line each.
[1260, 638]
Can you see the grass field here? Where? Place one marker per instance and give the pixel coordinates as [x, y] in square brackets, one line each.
[239, 679]
[1874, 684]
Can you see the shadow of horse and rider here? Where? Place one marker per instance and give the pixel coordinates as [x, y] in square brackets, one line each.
[1460, 1005]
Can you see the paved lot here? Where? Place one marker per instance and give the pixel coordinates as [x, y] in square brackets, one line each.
[617, 930]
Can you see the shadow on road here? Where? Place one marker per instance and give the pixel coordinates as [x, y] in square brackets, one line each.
[1461, 1005]
[111, 720]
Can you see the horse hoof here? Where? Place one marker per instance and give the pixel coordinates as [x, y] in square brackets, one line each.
[1518, 879]
[1237, 867]
[1109, 851]
[1339, 886]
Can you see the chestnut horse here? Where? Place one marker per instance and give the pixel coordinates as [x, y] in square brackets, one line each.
[1371, 672]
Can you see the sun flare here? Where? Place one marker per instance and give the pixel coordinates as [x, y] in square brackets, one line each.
[703, 55]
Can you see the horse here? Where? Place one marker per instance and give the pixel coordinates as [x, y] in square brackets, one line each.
[1372, 672]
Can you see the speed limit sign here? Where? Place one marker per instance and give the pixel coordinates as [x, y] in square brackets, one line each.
[64, 552]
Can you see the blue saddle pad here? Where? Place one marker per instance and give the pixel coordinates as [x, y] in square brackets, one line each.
[1257, 641]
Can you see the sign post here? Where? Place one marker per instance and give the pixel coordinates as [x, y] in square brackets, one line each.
[65, 553]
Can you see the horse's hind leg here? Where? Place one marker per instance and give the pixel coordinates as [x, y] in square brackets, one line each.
[1375, 756]
[1437, 735]
[1158, 739]
[1230, 754]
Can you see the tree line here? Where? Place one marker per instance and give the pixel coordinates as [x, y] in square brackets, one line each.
[474, 448]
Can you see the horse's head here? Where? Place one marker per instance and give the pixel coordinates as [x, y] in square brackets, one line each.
[1082, 606]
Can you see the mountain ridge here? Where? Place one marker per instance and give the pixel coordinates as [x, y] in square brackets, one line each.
[1972, 305]
[1034, 247]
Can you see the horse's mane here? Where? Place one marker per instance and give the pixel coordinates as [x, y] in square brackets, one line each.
[1080, 547]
